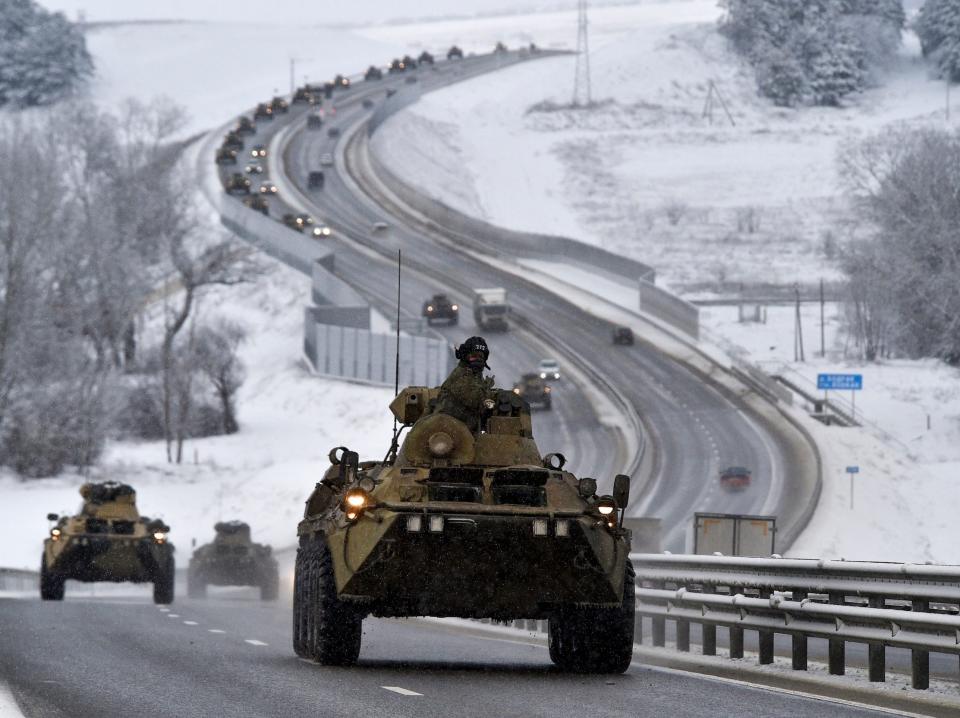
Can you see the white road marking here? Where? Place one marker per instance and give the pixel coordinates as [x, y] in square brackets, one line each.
[215, 630]
[8, 704]
[165, 610]
[401, 691]
[189, 623]
[173, 615]
[255, 642]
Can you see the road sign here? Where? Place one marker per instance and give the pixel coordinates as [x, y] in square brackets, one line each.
[840, 382]
[853, 469]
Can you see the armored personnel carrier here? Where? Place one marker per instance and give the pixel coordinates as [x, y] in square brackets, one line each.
[474, 525]
[232, 559]
[108, 540]
[534, 390]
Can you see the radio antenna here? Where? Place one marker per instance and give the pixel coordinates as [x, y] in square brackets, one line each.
[394, 444]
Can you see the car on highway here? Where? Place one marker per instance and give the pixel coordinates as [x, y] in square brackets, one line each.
[257, 203]
[321, 231]
[396, 65]
[263, 112]
[440, 307]
[278, 104]
[735, 478]
[333, 132]
[341, 81]
[425, 58]
[379, 227]
[226, 156]
[245, 126]
[267, 188]
[314, 121]
[233, 559]
[549, 369]
[107, 540]
[233, 141]
[253, 169]
[326, 159]
[454, 53]
[238, 184]
[258, 151]
[623, 336]
[534, 390]
[315, 179]
[373, 73]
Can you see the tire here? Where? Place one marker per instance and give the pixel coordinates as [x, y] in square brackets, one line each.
[270, 588]
[595, 640]
[196, 586]
[324, 628]
[163, 582]
[52, 584]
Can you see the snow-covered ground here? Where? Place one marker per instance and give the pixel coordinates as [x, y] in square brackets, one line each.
[645, 173]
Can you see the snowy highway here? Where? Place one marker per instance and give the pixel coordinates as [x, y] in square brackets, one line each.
[231, 656]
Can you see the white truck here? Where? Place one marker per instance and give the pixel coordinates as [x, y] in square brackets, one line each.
[490, 309]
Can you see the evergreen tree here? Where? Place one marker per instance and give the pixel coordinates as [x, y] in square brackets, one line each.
[938, 27]
[43, 57]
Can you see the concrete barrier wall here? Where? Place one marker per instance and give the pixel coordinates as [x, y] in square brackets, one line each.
[12, 579]
[677, 312]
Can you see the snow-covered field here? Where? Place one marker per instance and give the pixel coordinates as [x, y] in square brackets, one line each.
[645, 173]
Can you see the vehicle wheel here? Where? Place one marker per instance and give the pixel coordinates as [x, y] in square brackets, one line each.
[196, 586]
[325, 629]
[163, 582]
[270, 588]
[595, 640]
[52, 585]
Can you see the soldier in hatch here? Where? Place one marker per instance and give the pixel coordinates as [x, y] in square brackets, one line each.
[463, 393]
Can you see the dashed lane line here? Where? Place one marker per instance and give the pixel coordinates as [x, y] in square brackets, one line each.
[164, 610]
[215, 630]
[189, 623]
[255, 642]
[401, 691]
[173, 615]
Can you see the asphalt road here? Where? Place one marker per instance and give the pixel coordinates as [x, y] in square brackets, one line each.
[231, 656]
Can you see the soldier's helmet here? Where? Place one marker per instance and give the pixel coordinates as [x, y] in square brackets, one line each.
[474, 353]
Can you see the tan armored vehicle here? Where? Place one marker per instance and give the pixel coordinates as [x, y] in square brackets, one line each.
[471, 525]
[108, 540]
[232, 559]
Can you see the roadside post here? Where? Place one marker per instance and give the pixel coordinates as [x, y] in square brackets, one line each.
[853, 471]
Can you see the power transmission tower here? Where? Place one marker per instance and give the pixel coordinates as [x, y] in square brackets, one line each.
[581, 78]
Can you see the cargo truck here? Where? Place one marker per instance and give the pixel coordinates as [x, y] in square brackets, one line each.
[490, 309]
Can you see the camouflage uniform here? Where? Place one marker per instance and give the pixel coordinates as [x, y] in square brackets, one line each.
[462, 394]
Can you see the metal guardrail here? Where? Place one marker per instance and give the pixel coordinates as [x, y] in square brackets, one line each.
[912, 606]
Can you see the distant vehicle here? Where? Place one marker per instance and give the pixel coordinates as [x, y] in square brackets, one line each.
[278, 104]
[500, 48]
[226, 156]
[367, 103]
[238, 184]
[258, 151]
[425, 58]
[735, 478]
[333, 132]
[623, 336]
[373, 73]
[326, 159]
[302, 96]
[328, 88]
[409, 62]
[454, 53]
[440, 307]
[314, 121]
[341, 81]
[490, 309]
[268, 188]
[253, 169]
[315, 179]
[263, 112]
[233, 141]
[549, 369]
[534, 390]
[232, 559]
[379, 227]
[292, 221]
[107, 540]
[533, 48]
[245, 126]
[396, 65]
[258, 203]
[321, 231]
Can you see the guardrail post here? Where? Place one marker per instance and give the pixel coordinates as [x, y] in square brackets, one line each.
[837, 648]
[765, 638]
[658, 626]
[638, 627]
[683, 636]
[736, 634]
[799, 641]
[877, 652]
[709, 632]
[920, 663]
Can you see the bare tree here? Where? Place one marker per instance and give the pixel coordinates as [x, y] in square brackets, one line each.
[219, 361]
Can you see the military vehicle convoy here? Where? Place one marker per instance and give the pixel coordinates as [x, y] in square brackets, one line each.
[534, 390]
[108, 540]
[233, 559]
[455, 523]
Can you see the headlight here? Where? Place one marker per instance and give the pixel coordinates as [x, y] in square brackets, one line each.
[455, 308]
[543, 375]
[326, 231]
[55, 534]
[516, 391]
[159, 536]
[354, 503]
[608, 509]
[429, 309]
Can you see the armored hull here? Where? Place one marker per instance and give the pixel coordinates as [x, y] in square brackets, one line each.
[232, 559]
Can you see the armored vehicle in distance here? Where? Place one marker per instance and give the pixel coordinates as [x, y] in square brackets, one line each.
[263, 111]
[534, 390]
[238, 184]
[474, 525]
[257, 203]
[245, 126]
[226, 156]
[232, 559]
[108, 540]
[440, 307]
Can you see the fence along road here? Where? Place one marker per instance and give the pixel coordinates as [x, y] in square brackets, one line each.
[696, 427]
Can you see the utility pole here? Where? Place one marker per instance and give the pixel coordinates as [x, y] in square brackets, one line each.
[798, 330]
[823, 334]
[581, 77]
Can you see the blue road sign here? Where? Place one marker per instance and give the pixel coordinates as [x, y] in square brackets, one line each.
[853, 469]
[840, 382]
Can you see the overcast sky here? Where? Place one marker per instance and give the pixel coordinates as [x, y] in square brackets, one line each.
[293, 11]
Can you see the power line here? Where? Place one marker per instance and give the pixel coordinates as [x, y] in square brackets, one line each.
[581, 77]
